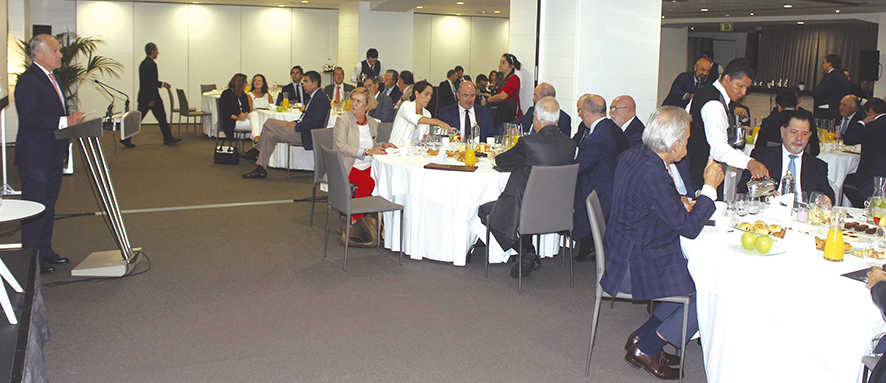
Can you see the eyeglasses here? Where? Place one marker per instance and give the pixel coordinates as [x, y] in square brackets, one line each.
[613, 107]
[804, 133]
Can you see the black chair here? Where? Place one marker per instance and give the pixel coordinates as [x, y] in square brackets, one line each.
[321, 138]
[184, 110]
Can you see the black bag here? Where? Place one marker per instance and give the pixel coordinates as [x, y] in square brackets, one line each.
[226, 154]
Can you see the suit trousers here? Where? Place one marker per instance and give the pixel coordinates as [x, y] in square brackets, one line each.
[40, 185]
[670, 315]
[857, 189]
[159, 114]
[272, 133]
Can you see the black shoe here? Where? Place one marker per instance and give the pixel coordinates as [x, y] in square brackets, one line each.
[46, 269]
[258, 172]
[59, 261]
[530, 263]
[127, 143]
[171, 141]
[251, 154]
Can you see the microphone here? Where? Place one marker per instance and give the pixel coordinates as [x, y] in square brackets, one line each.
[110, 111]
[115, 90]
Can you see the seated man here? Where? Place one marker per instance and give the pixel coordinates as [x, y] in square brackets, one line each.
[871, 134]
[850, 114]
[624, 113]
[547, 147]
[293, 132]
[596, 155]
[338, 91]
[792, 156]
[465, 113]
[770, 127]
[294, 91]
[384, 111]
[642, 239]
[545, 90]
[391, 90]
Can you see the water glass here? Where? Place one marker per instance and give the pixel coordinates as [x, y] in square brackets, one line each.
[741, 204]
[754, 206]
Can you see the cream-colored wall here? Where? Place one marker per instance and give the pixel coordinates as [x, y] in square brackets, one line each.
[441, 42]
[672, 58]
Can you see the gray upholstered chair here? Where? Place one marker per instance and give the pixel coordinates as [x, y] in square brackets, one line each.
[547, 207]
[184, 110]
[598, 230]
[384, 132]
[340, 199]
[321, 138]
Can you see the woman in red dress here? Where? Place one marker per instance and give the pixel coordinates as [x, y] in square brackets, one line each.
[510, 84]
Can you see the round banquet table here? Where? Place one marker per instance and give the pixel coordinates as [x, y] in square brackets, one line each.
[13, 209]
[787, 317]
[440, 208]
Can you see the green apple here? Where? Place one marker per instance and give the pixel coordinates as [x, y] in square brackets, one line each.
[748, 239]
[763, 244]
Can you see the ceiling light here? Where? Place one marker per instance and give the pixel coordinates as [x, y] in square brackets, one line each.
[496, 11]
[195, 2]
[662, 16]
[305, 1]
[705, 9]
[836, 11]
[420, 7]
[458, 14]
[459, 3]
[727, 15]
[788, 6]
[801, 22]
[483, 11]
[752, 13]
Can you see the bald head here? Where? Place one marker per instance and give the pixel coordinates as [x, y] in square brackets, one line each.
[466, 94]
[848, 105]
[591, 107]
[622, 109]
[543, 90]
[702, 68]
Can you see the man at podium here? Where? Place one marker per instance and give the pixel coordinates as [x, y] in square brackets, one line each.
[39, 156]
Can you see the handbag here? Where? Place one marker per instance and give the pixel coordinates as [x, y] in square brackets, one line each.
[226, 154]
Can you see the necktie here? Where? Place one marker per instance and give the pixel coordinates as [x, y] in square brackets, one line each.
[337, 94]
[57, 91]
[844, 125]
[792, 167]
[467, 125]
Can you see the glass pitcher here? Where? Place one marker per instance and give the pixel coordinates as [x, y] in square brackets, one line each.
[875, 206]
[833, 246]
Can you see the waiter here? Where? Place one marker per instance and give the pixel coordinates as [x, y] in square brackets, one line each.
[370, 67]
[711, 110]
[149, 97]
[39, 156]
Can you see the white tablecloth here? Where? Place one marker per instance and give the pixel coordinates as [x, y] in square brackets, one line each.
[788, 317]
[440, 216]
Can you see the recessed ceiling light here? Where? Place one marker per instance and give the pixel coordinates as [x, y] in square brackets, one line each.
[662, 16]
[280, 5]
[195, 2]
[483, 11]
[305, 1]
[420, 7]
[727, 15]
[788, 6]
[496, 11]
[459, 3]
[801, 22]
[458, 14]
[836, 11]
[705, 9]
[752, 13]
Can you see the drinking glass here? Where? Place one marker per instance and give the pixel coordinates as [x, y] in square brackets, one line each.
[741, 204]
[754, 206]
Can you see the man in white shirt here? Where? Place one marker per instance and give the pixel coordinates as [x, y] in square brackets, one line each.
[712, 115]
[371, 67]
[338, 91]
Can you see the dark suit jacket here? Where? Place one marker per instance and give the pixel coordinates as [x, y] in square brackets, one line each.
[597, 159]
[644, 228]
[293, 95]
[830, 90]
[564, 123]
[449, 114]
[872, 137]
[770, 130]
[684, 83]
[548, 147]
[683, 169]
[384, 112]
[148, 84]
[329, 89]
[229, 107]
[856, 118]
[316, 113]
[444, 95]
[813, 172]
[39, 110]
[634, 132]
[621, 141]
[396, 93]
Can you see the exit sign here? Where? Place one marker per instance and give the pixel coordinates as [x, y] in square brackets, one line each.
[727, 27]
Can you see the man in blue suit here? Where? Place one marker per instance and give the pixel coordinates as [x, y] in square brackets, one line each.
[687, 83]
[596, 156]
[541, 91]
[623, 112]
[39, 156]
[642, 240]
[466, 112]
[871, 134]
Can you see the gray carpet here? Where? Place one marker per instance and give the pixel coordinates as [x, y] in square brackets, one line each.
[244, 295]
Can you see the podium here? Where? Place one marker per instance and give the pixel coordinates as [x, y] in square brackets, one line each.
[109, 263]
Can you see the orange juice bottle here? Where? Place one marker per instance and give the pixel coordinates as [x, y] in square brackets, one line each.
[833, 246]
[470, 155]
[285, 103]
[347, 104]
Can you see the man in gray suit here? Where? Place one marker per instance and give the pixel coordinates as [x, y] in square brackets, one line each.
[338, 91]
[384, 112]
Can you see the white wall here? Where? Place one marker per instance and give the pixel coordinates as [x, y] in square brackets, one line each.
[391, 33]
[672, 59]
[348, 34]
[442, 42]
[521, 41]
[558, 55]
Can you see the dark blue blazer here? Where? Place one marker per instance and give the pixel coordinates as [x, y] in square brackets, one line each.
[813, 171]
[634, 132]
[148, 83]
[684, 83]
[597, 159]
[293, 96]
[39, 109]
[872, 137]
[683, 169]
[316, 113]
[449, 115]
[644, 228]
[565, 122]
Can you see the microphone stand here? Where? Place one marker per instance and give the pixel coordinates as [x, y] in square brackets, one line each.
[126, 104]
[5, 189]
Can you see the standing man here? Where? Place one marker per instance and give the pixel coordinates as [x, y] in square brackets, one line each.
[447, 88]
[466, 112]
[338, 91]
[294, 90]
[370, 67]
[871, 134]
[541, 91]
[38, 155]
[712, 116]
[623, 112]
[716, 68]
[687, 83]
[384, 112]
[833, 86]
[149, 97]
[391, 88]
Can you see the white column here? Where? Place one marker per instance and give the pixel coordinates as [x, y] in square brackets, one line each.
[348, 35]
[672, 58]
[521, 43]
[880, 86]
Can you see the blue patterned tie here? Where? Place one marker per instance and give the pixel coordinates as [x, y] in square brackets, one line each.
[792, 167]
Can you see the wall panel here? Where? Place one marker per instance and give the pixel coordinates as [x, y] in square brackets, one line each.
[112, 23]
[264, 50]
[171, 40]
[213, 47]
[314, 40]
[451, 45]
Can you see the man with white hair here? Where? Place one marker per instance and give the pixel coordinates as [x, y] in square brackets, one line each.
[547, 147]
[40, 157]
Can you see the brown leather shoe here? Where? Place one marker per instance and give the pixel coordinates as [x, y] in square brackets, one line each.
[652, 364]
[668, 359]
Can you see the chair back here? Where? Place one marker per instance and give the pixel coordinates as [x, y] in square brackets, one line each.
[339, 195]
[598, 230]
[207, 87]
[384, 132]
[548, 200]
[171, 103]
[183, 107]
[321, 138]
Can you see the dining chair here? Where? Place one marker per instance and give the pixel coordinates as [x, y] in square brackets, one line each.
[340, 199]
[547, 207]
[289, 154]
[184, 110]
[598, 230]
[321, 138]
[207, 87]
[173, 110]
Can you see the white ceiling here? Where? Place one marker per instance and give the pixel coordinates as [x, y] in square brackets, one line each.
[735, 8]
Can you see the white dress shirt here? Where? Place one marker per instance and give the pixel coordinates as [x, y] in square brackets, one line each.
[798, 164]
[715, 123]
[627, 123]
[62, 121]
[461, 118]
[706, 190]
[359, 68]
[341, 89]
[406, 130]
